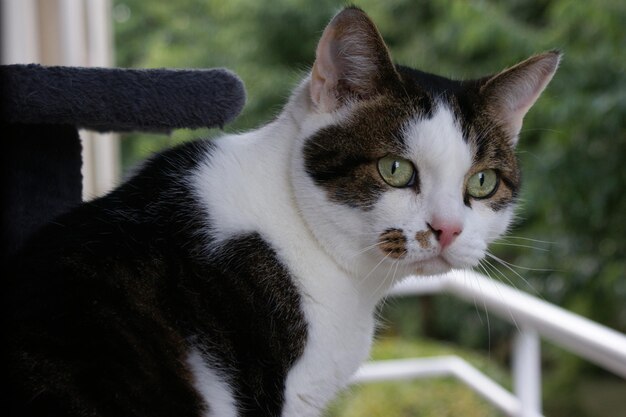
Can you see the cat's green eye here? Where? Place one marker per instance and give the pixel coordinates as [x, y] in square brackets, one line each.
[397, 172]
[483, 184]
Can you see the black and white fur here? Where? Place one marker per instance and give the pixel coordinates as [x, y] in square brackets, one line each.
[239, 277]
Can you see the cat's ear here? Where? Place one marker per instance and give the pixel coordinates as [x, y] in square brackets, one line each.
[351, 62]
[510, 94]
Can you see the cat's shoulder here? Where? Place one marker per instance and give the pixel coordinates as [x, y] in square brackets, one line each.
[180, 158]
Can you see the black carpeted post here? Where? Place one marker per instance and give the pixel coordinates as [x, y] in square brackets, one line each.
[41, 109]
[40, 178]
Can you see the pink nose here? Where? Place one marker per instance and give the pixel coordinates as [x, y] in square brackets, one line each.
[445, 231]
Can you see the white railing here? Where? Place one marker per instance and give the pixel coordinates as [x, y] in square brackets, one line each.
[534, 318]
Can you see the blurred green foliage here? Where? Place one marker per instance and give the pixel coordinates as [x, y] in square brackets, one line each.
[433, 397]
[572, 146]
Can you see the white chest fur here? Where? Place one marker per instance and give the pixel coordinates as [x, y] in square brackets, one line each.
[253, 186]
[340, 333]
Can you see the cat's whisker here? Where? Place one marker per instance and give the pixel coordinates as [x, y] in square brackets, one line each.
[474, 298]
[367, 249]
[395, 265]
[498, 275]
[525, 268]
[520, 246]
[542, 129]
[498, 272]
[528, 239]
[504, 264]
[362, 281]
[506, 241]
[386, 298]
[502, 275]
[486, 318]
[384, 281]
[471, 282]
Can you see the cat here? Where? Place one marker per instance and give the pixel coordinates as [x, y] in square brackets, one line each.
[239, 276]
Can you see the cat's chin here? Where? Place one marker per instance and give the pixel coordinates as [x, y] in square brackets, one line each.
[433, 266]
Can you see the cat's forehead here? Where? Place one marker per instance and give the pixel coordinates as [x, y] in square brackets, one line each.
[404, 123]
[437, 140]
[437, 97]
[410, 125]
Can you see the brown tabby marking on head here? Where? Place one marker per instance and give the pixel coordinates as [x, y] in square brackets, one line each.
[393, 243]
[423, 238]
[342, 157]
[493, 151]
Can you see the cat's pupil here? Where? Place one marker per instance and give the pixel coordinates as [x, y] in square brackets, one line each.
[481, 178]
[394, 167]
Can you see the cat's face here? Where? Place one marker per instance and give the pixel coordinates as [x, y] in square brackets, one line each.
[404, 170]
[418, 189]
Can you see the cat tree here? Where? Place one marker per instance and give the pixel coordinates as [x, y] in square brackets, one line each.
[42, 108]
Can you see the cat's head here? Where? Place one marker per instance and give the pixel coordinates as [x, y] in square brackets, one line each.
[399, 171]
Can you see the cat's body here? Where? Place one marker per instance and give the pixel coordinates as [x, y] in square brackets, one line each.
[239, 277]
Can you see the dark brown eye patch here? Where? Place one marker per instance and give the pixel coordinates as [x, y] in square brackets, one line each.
[343, 158]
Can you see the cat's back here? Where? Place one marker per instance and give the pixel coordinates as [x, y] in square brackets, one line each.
[127, 303]
[134, 230]
[148, 207]
[84, 300]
